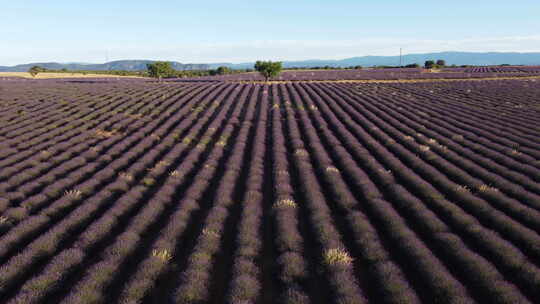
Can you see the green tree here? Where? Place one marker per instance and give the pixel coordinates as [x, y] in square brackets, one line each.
[35, 70]
[160, 69]
[441, 63]
[268, 69]
[429, 64]
[412, 65]
[222, 70]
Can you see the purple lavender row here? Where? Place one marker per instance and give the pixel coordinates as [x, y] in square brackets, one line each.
[56, 189]
[245, 286]
[336, 259]
[464, 180]
[445, 286]
[443, 143]
[157, 260]
[52, 118]
[503, 252]
[524, 237]
[61, 147]
[195, 279]
[42, 115]
[164, 248]
[87, 117]
[464, 147]
[98, 231]
[436, 200]
[415, 162]
[476, 124]
[479, 131]
[128, 241]
[50, 139]
[53, 237]
[390, 281]
[293, 272]
[93, 109]
[372, 74]
[479, 103]
[39, 134]
[92, 184]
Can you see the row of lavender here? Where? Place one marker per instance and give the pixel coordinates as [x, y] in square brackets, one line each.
[408, 163]
[294, 193]
[114, 160]
[385, 74]
[496, 69]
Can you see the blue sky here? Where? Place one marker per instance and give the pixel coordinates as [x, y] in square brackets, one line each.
[239, 31]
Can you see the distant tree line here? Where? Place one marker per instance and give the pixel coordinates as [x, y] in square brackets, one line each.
[268, 69]
[431, 64]
[157, 69]
[164, 69]
[37, 69]
[326, 67]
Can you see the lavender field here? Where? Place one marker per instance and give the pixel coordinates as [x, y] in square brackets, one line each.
[391, 74]
[133, 191]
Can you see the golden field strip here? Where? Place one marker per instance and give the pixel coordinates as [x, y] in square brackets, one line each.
[59, 75]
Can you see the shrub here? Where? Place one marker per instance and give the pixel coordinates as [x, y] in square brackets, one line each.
[268, 69]
[162, 255]
[160, 69]
[285, 203]
[149, 181]
[337, 256]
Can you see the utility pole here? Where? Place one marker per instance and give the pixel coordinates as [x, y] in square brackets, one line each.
[107, 58]
[400, 62]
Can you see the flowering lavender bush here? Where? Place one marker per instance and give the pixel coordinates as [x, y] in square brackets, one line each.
[319, 191]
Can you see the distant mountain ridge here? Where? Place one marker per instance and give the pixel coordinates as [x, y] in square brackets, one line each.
[457, 58]
[119, 65]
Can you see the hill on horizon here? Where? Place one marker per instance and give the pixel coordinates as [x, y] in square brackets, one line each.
[117, 65]
[457, 58]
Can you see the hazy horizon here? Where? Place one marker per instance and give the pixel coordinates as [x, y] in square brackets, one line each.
[240, 62]
[239, 31]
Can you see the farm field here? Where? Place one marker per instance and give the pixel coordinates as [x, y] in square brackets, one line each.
[390, 74]
[132, 191]
[48, 75]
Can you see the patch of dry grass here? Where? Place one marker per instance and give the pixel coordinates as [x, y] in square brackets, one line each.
[337, 256]
[104, 134]
[73, 193]
[3, 219]
[285, 203]
[487, 188]
[126, 176]
[332, 169]
[163, 255]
